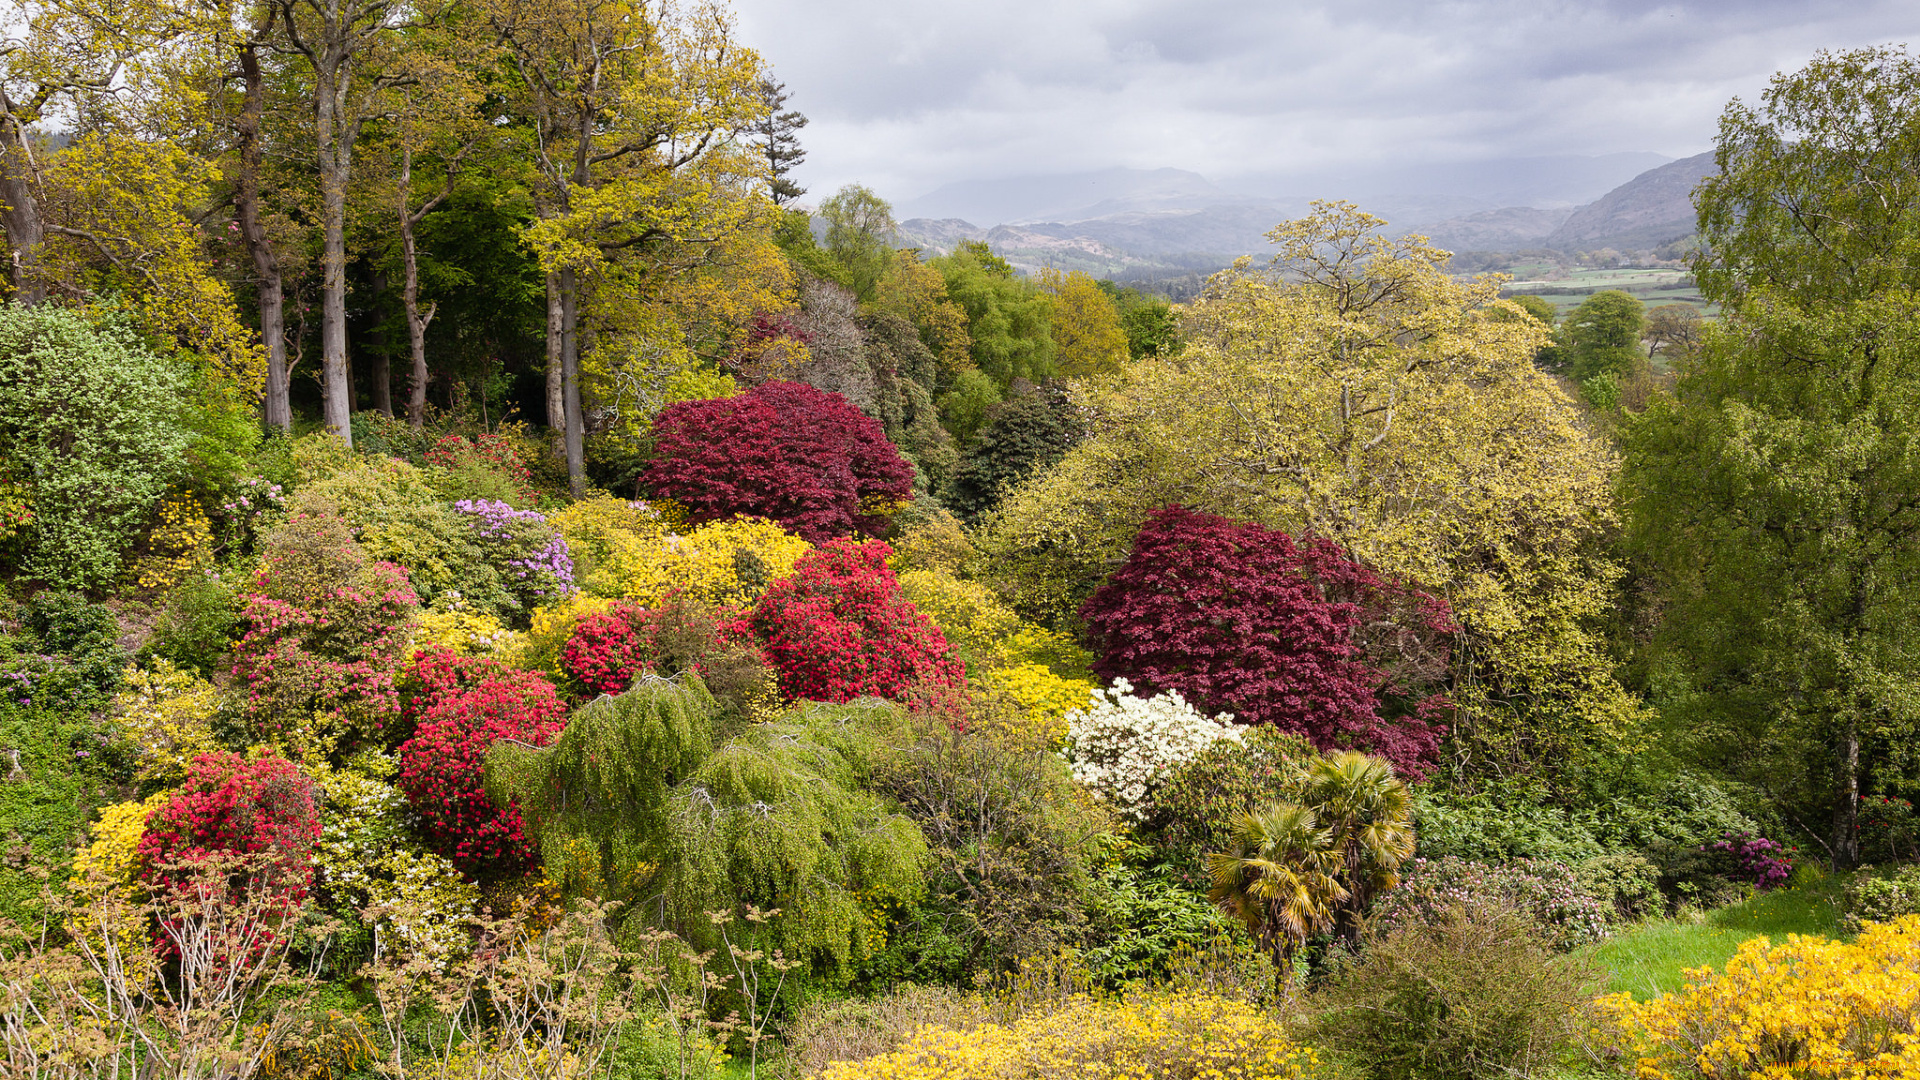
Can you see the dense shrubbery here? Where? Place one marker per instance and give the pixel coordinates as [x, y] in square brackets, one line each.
[97, 426]
[324, 630]
[838, 629]
[236, 806]
[783, 451]
[1240, 618]
[1122, 746]
[1549, 893]
[461, 707]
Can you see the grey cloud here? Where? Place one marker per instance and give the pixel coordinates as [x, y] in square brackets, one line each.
[909, 94]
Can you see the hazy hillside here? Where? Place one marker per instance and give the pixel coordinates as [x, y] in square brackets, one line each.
[1132, 223]
[1651, 209]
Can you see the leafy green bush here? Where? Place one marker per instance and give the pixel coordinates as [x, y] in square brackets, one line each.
[1141, 922]
[1518, 822]
[1551, 894]
[1477, 993]
[197, 622]
[1879, 896]
[67, 655]
[1193, 811]
[97, 424]
[55, 766]
[1629, 880]
[397, 516]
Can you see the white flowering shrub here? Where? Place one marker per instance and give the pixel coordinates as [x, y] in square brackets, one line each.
[368, 859]
[1122, 746]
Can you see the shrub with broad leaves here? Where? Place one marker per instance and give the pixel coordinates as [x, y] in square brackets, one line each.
[529, 553]
[839, 628]
[1550, 893]
[461, 706]
[1123, 747]
[231, 805]
[323, 629]
[1294, 634]
[783, 451]
[1754, 860]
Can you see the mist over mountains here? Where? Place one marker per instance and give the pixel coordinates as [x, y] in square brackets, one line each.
[1149, 223]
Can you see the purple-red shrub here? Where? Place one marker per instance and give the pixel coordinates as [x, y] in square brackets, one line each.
[323, 628]
[1754, 860]
[461, 706]
[1243, 619]
[230, 805]
[838, 628]
[785, 451]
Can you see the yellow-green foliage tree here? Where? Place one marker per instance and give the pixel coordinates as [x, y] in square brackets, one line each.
[1087, 336]
[1357, 392]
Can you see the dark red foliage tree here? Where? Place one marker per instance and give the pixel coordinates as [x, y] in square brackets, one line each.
[461, 707]
[261, 807]
[838, 628]
[785, 451]
[1243, 619]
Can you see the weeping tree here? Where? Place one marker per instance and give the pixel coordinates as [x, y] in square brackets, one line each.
[632, 803]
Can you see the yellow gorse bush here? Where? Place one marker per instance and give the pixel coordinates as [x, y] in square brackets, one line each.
[1164, 1035]
[1810, 1007]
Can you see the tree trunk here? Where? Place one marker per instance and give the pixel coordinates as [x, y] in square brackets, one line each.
[1846, 807]
[556, 366]
[383, 353]
[337, 397]
[417, 318]
[20, 214]
[570, 373]
[276, 405]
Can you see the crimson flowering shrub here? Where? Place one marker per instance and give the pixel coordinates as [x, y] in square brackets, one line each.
[1244, 619]
[323, 628]
[606, 652]
[234, 805]
[838, 628]
[461, 706]
[785, 451]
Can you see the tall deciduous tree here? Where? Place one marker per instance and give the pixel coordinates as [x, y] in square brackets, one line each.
[348, 47]
[1356, 391]
[1088, 338]
[632, 108]
[1817, 195]
[860, 236]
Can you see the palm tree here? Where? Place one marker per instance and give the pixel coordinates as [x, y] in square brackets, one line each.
[1278, 877]
[1366, 809]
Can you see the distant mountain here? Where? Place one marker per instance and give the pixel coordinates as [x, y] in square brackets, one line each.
[1653, 208]
[1131, 223]
[1510, 229]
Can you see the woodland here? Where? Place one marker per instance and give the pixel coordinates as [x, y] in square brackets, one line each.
[498, 585]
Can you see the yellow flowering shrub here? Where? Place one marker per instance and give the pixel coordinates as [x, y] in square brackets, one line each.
[1809, 1007]
[1043, 697]
[103, 873]
[466, 632]
[168, 714]
[1165, 1034]
[180, 543]
[967, 612]
[640, 552]
[538, 649]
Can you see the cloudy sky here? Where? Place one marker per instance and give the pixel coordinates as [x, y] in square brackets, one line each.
[906, 95]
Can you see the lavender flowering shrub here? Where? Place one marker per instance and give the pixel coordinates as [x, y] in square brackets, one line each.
[529, 554]
[1549, 892]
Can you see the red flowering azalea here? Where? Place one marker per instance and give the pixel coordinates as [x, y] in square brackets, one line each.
[461, 707]
[233, 805]
[838, 628]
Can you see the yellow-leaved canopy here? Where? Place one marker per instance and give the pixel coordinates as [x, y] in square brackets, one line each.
[1355, 391]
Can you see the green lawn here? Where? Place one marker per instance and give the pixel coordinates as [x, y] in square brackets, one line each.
[1652, 958]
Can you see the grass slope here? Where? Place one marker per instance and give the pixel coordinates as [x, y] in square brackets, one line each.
[1652, 958]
